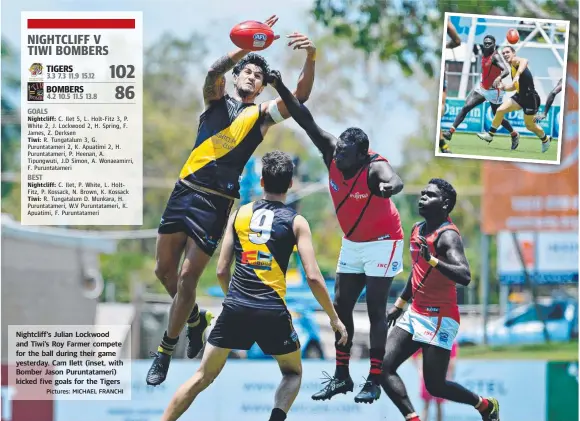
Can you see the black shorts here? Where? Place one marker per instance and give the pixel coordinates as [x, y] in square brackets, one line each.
[202, 216]
[238, 327]
[530, 102]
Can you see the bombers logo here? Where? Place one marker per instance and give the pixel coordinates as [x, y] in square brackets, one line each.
[256, 259]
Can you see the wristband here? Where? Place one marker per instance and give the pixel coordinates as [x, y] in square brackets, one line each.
[433, 261]
[400, 303]
[312, 56]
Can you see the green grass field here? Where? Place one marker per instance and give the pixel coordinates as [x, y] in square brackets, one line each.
[529, 148]
[551, 352]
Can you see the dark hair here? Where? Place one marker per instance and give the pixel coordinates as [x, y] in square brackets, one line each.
[255, 59]
[356, 136]
[510, 47]
[447, 191]
[277, 172]
[491, 37]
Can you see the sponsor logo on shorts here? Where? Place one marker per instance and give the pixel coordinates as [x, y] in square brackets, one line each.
[210, 240]
[333, 185]
[443, 337]
[256, 259]
[428, 333]
[384, 237]
[294, 336]
[395, 265]
[341, 263]
[383, 265]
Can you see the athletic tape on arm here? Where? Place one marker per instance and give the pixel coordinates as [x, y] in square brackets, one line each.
[275, 112]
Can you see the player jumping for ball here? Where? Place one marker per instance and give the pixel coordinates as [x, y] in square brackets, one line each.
[454, 42]
[261, 236]
[432, 321]
[230, 130]
[493, 70]
[549, 101]
[361, 183]
[526, 98]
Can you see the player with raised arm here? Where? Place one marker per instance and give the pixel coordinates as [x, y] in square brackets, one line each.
[549, 101]
[455, 41]
[432, 321]
[493, 70]
[526, 98]
[230, 130]
[261, 237]
[361, 183]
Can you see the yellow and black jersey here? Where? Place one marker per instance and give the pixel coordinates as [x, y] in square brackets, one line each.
[263, 243]
[228, 134]
[526, 83]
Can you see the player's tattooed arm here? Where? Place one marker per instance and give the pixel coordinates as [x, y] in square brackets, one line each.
[324, 141]
[455, 41]
[383, 181]
[214, 80]
[452, 260]
[505, 70]
[226, 258]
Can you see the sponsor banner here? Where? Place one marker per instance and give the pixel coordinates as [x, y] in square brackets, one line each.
[562, 391]
[245, 392]
[549, 257]
[480, 118]
[473, 122]
[536, 197]
[516, 119]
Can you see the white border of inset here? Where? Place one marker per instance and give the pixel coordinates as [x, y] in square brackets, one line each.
[442, 78]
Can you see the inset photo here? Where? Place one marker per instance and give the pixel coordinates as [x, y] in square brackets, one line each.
[501, 88]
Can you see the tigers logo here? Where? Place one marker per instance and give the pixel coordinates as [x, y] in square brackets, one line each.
[36, 91]
[35, 70]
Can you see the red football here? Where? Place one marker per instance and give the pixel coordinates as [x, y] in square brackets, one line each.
[513, 36]
[252, 35]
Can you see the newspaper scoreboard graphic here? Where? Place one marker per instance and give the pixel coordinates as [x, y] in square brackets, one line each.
[82, 118]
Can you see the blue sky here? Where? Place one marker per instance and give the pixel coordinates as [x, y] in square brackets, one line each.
[215, 18]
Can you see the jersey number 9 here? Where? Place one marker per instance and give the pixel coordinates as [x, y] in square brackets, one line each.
[261, 226]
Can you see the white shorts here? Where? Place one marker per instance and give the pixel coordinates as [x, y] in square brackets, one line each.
[495, 96]
[424, 329]
[383, 258]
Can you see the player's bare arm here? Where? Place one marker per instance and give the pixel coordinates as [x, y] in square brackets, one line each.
[522, 64]
[276, 110]
[505, 70]
[314, 276]
[455, 41]
[549, 101]
[383, 180]
[395, 312]
[452, 261]
[324, 141]
[226, 258]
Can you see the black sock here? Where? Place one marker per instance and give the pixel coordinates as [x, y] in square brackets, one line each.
[193, 317]
[492, 130]
[545, 138]
[167, 345]
[277, 415]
